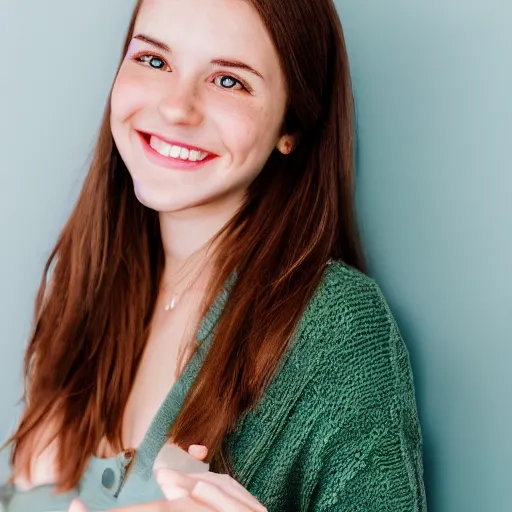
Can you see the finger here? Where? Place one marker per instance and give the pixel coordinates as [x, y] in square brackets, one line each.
[172, 492]
[232, 487]
[77, 506]
[171, 489]
[229, 486]
[174, 485]
[170, 479]
[198, 451]
[217, 498]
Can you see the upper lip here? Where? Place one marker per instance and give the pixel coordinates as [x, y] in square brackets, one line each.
[175, 142]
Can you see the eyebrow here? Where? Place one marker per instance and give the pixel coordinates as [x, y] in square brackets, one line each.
[152, 42]
[218, 62]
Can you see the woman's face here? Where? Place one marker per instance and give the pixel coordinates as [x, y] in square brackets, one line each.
[198, 104]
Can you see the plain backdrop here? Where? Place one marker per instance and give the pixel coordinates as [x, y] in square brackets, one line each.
[432, 86]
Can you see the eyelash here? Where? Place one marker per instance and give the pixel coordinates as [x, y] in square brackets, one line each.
[139, 56]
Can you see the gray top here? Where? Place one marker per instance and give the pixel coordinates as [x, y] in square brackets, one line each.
[106, 484]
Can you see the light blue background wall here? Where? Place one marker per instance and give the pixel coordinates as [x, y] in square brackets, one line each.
[58, 60]
[433, 91]
[432, 84]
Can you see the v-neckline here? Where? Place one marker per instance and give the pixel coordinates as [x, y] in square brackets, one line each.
[157, 433]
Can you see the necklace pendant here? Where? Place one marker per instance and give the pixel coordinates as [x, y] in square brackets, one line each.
[171, 305]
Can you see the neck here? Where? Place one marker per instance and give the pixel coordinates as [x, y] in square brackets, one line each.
[186, 236]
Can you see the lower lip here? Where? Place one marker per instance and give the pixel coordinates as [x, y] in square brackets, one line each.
[169, 162]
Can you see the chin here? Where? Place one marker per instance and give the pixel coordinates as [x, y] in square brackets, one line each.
[155, 200]
[162, 202]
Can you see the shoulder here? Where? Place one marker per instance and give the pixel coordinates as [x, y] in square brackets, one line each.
[347, 301]
[364, 398]
[349, 329]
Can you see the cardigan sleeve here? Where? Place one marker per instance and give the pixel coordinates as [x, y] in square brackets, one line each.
[380, 471]
[372, 461]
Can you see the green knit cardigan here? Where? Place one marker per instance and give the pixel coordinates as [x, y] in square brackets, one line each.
[336, 430]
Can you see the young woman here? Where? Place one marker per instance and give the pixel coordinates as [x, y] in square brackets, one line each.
[208, 290]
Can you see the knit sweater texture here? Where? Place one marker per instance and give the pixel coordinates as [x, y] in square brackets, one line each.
[336, 430]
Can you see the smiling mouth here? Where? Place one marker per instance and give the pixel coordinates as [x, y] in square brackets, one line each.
[175, 150]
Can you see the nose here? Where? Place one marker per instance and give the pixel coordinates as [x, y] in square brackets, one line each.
[180, 104]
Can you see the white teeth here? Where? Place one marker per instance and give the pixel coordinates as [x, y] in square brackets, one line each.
[175, 151]
[169, 150]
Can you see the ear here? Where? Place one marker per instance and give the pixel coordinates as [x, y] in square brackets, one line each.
[286, 144]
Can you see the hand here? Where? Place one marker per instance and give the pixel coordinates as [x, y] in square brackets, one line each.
[218, 493]
[201, 492]
[195, 491]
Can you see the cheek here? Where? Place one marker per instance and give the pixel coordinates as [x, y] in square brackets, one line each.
[127, 96]
[251, 129]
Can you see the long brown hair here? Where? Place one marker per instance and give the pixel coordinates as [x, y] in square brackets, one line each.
[91, 320]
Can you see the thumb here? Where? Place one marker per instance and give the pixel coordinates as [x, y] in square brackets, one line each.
[77, 506]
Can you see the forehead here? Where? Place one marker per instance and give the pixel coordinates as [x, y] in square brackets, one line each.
[209, 29]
